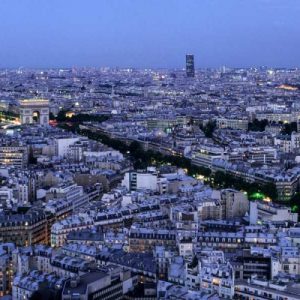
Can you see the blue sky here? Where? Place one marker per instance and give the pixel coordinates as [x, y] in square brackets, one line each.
[149, 33]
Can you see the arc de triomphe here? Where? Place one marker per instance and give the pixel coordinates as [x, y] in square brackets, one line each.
[34, 111]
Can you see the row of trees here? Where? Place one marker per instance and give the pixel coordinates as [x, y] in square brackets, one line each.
[260, 125]
[255, 125]
[61, 117]
[226, 180]
[143, 158]
[149, 157]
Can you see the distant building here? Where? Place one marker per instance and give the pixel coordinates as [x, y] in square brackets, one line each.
[34, 111]
[6, 270]
[62, 145]
[14, 155]
[190, 67]
[268, 211]
[144, 240]
[25, 285]
[141, 180]
[204, 155]
[263, 289]
[99, 285]
[60, 229]
[234, 204]
[233, 123]
[24, 229]
[6, 197]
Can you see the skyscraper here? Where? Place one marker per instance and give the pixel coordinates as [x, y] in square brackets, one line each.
[190, 68]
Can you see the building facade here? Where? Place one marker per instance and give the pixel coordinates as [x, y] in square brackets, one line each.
[190, 65]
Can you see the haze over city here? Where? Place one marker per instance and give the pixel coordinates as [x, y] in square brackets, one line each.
[152, 34]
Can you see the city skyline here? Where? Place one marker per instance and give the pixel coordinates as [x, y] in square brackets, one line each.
[40, 34]
[149, 149]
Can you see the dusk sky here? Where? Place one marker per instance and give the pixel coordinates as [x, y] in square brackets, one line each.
[149, 33]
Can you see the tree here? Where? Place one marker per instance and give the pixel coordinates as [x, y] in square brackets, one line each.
[136, 149]
[31, 159]
[61, 116]
[288, 128]
[258, 125]
[209, 128]
[270, 190]
[295, 204]
[219, 178]
[51, 116]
